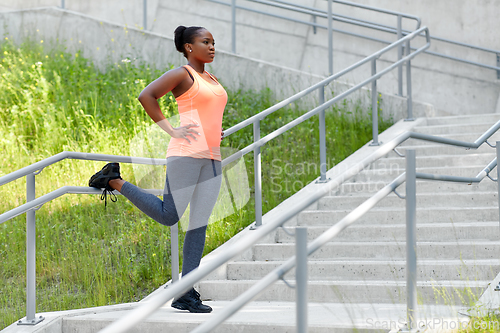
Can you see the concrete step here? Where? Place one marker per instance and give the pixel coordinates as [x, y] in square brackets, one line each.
[442, 149]
[386, 269]
[343, 316]
[435, 161]
[426, 232]
[467, 250]
[450, 129]
[388, 175]
[423, 186]
[398, 215]
[350, 292]
[424, 200]
[491, 118]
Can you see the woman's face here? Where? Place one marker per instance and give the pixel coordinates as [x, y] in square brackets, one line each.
[202, 48]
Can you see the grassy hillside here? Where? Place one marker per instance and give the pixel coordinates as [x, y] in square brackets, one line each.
[89, 255]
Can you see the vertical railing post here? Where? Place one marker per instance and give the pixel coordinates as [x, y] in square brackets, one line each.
[315, 28]
[498, 176]
[62, 4]
[174, 246]
[30, 257]
[233, 26]
[498, 65]
[497, 288]
[322, 138]
[257, 175]
[374, 106]
[330, 39]
[409, 97]
[400, 56]
[411, 240]
[301, 278]
[145, 14]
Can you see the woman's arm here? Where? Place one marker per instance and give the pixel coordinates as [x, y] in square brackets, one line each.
[178, 81]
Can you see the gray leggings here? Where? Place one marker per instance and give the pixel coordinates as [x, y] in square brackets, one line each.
[189, 180]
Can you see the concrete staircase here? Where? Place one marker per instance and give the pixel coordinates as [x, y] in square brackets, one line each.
[357, 281]
[457, 225]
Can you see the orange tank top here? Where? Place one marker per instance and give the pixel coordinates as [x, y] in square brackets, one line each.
[203, 103]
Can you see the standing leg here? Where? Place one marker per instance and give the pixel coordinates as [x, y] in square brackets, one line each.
[202, 203]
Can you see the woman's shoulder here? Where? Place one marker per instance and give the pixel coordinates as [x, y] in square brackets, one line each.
[179, 70]
[181, 73]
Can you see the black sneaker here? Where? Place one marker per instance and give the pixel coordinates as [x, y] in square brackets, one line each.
[191, 301]
[101, 180]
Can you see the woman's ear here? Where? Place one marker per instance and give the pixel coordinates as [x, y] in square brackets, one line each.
[188, 47]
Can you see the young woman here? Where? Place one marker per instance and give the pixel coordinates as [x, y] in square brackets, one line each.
[193, 154]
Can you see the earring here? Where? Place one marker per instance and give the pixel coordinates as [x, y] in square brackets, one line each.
[190, 50]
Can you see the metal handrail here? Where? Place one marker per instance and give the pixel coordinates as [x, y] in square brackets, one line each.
[32, 170]
[261, 115]
[315, 12]
[255, 120]
[280, 271]
[40, 201]
[342, 18]
[155, 302]
[374, 56]
[151, 161]
[77, 156]
[261, 232]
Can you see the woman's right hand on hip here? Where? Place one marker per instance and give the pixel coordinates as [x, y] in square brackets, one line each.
[184, 132]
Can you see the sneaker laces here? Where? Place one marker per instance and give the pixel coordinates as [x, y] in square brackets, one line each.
[108, 191]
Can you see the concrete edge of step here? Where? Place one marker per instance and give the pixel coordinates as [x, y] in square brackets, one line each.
[52, 322]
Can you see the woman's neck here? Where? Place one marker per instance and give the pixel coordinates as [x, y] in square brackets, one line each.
[199, 67]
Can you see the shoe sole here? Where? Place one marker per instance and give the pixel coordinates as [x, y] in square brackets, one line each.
[113, 173]
[186, 307]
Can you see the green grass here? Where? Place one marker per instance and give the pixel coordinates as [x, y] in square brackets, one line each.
[89, 255]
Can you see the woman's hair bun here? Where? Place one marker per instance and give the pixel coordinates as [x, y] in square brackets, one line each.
[178, 40]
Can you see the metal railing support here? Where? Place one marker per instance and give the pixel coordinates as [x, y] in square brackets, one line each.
[497, 148]
[409, 97]
[374, 106]
[315, 29]
[330, 39]
[30, 256]
[174, 244]
[322, 138]
[301, 278]
[145, 14]
[400, 55]
[233, 26]
[372, 25]
[62, 4]
[498, 65]
[411, 240]
[257, 175]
